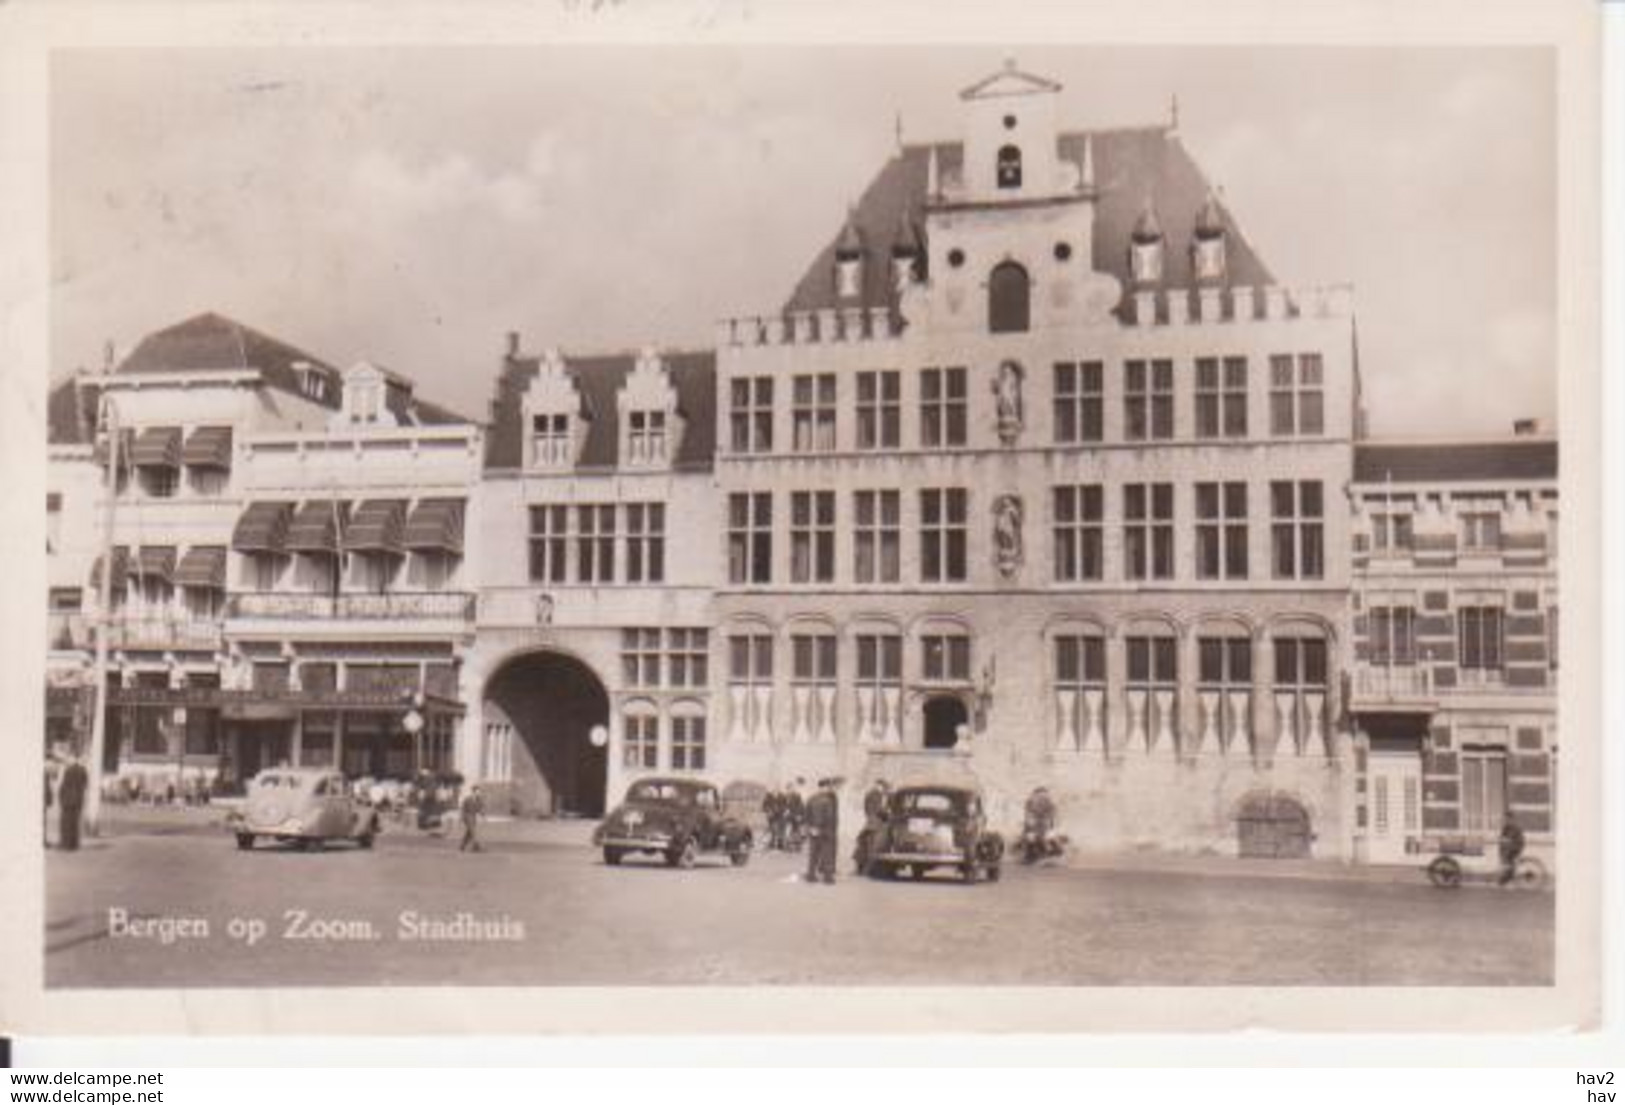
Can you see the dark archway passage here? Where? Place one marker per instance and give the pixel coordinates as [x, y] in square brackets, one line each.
[552, 702]
[1272, 825]
[944, 714]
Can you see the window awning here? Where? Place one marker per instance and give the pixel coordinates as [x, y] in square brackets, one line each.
[208, 447]
[376, 526]
[157, 447]
[263, 528]
[203, 566]
[435, 525]
[121, 569]
[318, 526]
[155, 562]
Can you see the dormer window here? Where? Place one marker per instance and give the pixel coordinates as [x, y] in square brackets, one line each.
[366, 399]
[646, 437]
[550, 440]
[313, 385]
[1009, 167]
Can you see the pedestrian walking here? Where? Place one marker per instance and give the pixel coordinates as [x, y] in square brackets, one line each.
[70, 797]
[823, 826]
[473, 808]
[771, 806]
[1512, 846]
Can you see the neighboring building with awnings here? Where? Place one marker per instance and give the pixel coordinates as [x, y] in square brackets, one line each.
[350, 597]
[191, 529]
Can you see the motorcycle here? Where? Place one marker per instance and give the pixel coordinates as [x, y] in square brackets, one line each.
[1035, 845]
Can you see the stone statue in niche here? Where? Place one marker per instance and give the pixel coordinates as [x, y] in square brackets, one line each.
[1007, 553]
[1007, 399]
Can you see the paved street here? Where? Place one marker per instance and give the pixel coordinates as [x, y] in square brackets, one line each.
[1211, 922]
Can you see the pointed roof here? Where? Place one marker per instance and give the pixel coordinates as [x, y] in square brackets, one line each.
[211, 342]
[1009, 81]
[1131, 165]
[906, 241]
[1210, 220]
[599, 378]
[851, 241]
[1146, 227]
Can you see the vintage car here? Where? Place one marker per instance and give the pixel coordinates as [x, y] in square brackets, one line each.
[679, 819]
[934, 826]
[305, 806]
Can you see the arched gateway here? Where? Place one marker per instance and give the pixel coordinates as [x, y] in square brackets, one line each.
[550, 703]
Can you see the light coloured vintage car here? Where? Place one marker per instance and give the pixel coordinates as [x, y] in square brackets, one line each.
[305, 806]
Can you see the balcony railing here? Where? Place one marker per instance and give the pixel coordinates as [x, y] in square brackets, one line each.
[163, 631]
[395, 606]
[1395, 684]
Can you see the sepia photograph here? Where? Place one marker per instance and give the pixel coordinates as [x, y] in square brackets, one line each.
[1036, 514]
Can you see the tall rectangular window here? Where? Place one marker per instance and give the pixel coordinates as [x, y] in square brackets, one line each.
[1153, 681]
[1224, 670]
[1297, 395]
[688, 654]
[1392, 636]
[1297, 534]
[1221, 530]
[645, 542]
[880, 410]
[595, 544]
[943, 535]
[1483, 790]
[688, 742]
[646, 431]
[549, 544]
[945, 658]
[879, 685]
[1148, 400]
[812, 659]
[1300, 680]
[1391, 530]
[1148, 530]
[1079, 533]
[640, 741]
[750, 417]
[876, 549]
[550, 440]
[1079, 402]
[1480, 525]
[750, 537]
[812, 413]
[750, 671]
[812, 537]
[640, 657]
[1221, 397]
[943, 407]
[1480, 638]
[1080, 676]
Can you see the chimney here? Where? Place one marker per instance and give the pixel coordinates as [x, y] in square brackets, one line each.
[1527, 427]
[109, 357]
[513, 344]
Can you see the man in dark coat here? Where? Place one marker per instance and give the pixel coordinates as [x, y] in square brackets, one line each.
[823, 825]
[795, 814]
[70, 798]
[473, 808]
[874, 819]
[773, 810]
[1512, 845]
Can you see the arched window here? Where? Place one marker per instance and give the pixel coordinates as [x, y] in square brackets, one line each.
[1009, 172]
[1008, 296]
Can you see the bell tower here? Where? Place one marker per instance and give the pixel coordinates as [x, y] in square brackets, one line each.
[1010, 139]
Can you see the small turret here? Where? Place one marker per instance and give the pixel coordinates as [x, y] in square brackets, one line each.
[1145, 247]
[1208, 242]
[849, 261]
[907, 252]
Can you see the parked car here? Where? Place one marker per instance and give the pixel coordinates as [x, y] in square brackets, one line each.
[927, 827]
[679, 819]
[306, 806]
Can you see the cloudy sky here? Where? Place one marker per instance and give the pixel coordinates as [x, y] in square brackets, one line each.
[411, 206]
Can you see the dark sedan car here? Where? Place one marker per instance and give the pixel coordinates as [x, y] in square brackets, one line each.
[928, 827]
[679, 819]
